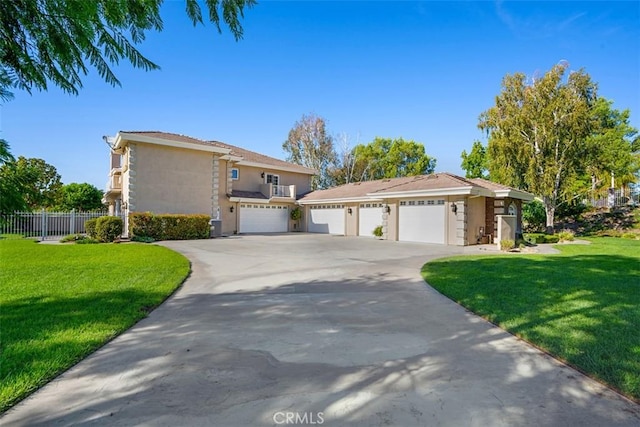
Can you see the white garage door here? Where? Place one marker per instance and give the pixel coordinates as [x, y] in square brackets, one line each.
[369, 217]
[326, 219]
[422, 221]
[263, 218]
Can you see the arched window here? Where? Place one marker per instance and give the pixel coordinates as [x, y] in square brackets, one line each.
[512, 209]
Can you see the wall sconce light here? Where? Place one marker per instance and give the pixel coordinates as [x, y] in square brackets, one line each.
[262, 175]
[387, 209]
[349, 211]
[454, 208]
[231, 209]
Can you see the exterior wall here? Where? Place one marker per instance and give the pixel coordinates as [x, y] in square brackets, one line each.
[461, 238]
[489, 219]
[475, 219]
[452, 221]
[225, 186]
[390, 220]
[250, 179]
[171, 180]
[352, 219]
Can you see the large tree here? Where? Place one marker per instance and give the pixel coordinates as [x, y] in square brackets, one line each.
[390, 158]
[538, 131]
[309, 144]
[37, 181]
[81, 197]
[44, 41]
[476, 163]
[11, 183]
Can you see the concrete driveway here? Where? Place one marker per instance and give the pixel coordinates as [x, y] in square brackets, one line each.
[318, 330]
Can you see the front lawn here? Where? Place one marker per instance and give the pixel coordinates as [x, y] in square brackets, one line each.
[583, 305]
[58, 303]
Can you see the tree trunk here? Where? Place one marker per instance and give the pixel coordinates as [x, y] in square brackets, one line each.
[550, 210]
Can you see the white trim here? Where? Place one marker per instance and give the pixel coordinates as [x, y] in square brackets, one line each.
[133, 137]
[231, 158]
[300, 169]
[248, 200]
[514, 194]
[344, 200]
[439, 192]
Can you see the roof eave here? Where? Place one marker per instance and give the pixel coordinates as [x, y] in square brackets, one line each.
[300, 169]
[452, 191]
[339, 200]
[514, 194]
[123, 137]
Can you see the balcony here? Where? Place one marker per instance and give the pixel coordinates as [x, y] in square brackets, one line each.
[114, 185]
[279, 191]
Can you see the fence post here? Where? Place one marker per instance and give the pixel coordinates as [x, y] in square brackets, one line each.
[72, 229]
[43, 225]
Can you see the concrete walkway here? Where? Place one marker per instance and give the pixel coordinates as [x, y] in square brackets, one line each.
[317, 330]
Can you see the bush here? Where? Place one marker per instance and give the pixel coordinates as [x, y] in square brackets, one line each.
[78, 239]
[566, 236]
[377, 231]
[168, 226]
[507, 245]
[539, 238]
[534, 216]
[108, 228]
[631, 235]
[142, 239]
[90, 227]
[296, 214]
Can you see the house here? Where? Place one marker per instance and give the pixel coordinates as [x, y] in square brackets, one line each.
[163, 172]
[438, 208]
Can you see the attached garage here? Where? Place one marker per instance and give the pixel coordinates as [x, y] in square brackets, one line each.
[369, 217]
[263, 218]
[326, 219]
[422, 221]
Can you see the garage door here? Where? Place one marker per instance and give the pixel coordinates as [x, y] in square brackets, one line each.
[422, 221]
[326, 219]
[263, 218]
[369, 217]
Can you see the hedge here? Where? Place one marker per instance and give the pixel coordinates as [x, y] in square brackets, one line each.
[108, 228]
[168, 226]
[538, 238]
[90, 227]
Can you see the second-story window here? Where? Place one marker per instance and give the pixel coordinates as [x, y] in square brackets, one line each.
[272, 179]
[235, 174]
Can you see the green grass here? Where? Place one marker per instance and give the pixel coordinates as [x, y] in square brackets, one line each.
[583, 305]
[59, 303]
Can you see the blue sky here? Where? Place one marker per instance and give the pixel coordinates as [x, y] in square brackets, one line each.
[417, 70]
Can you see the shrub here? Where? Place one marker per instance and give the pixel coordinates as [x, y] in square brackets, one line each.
[630, 235]
[296, 214]
[507, 245]
[566, 236]
[539, 238]
[377, 231]
[168, 226]
[108, 228]
[142, 239]
[90, 227]
[534, 216]
[71, 238]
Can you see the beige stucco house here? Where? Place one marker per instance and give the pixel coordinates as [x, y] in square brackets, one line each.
[169, 173]
[438, 208]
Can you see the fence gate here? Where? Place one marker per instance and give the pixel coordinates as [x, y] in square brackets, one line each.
[46, 225]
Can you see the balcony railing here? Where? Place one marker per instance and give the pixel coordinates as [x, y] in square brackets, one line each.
[271, 190]
[114, 184]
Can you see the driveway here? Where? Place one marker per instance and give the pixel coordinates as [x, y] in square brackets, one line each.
[318, 330]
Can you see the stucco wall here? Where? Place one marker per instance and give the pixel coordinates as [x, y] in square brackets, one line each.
[351, 219]
[475, 218]
[172, 180]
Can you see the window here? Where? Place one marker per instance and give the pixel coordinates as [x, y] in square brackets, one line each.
[440, 202]
[421, 202]
[412, 202]
[235, 174]
[431, 202]
[272, 179]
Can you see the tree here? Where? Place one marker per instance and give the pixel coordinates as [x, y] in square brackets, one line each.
[81, 197]
[37, 181]
[44, 41]
[309, 145]
[11, 183]
[537, 132]
[614, 150]
[476, 163]
[390, 158]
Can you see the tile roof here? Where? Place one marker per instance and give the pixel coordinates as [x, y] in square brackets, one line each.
[248, 194]
[432, 182]
[247, 155]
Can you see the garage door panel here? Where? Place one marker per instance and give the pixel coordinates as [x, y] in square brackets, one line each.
[368, 219]
[326, 220]
[264, 219]
[422, 223]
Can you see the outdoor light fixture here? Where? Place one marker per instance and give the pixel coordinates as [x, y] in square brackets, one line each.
[349, 211]
[454, 208]
[387, 209]
[262, 175]
[231, 209]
